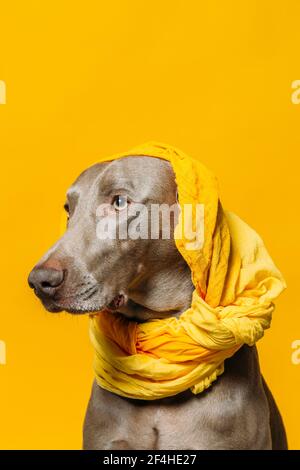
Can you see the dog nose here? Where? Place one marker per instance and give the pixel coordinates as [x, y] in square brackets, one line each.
[45, 280]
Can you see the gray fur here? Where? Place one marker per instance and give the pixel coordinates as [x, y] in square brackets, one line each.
[237, 411]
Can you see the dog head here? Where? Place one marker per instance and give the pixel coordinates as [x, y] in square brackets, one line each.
[97, 263]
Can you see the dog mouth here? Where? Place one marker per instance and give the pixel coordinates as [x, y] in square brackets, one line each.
[116, 303]
[77, 306]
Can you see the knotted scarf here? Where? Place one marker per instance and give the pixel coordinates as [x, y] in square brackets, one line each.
[235, 284]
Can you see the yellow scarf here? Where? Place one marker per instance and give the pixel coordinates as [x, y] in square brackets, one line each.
[235, 283]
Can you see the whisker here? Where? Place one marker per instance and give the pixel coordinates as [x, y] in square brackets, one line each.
[91, 294]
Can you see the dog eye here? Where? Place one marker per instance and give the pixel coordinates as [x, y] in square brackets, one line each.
[67, 208]
[120, 202]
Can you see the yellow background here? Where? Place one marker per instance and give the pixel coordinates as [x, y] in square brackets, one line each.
[93, 78]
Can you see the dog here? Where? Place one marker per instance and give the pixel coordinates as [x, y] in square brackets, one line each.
[145, 279]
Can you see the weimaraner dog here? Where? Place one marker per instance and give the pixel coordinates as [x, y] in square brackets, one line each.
[145, 279]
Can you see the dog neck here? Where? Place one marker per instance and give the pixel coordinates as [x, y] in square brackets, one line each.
[161, 294]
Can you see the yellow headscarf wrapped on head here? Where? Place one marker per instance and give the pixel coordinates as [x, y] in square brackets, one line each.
[235, 283]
